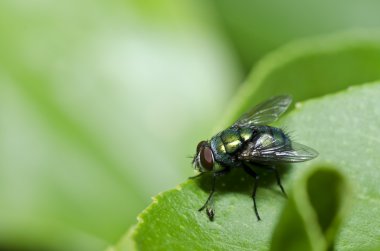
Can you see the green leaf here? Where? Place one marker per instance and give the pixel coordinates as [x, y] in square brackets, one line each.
[310, 68]
[318, 66]
[312, 215]
[342, 127]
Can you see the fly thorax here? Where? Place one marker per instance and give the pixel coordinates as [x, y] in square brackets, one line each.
[246, 133]
[221, 150]
[231, 140]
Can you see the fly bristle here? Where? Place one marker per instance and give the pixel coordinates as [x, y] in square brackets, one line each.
[193, 160]
[289, 134]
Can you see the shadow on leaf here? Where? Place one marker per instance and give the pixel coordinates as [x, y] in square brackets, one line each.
[237, 181]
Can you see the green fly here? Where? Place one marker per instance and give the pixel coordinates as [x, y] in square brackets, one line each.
[248, 144]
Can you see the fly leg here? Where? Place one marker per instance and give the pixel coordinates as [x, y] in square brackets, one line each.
[211, 193]
[255, 184]
[274, 170]
[209, 204]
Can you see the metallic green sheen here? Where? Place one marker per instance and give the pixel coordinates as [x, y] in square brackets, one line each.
[279, 136]
[231, 140]
[219, 145]
[220, 154]
[265, 141]
[246, 133]
[271, 136]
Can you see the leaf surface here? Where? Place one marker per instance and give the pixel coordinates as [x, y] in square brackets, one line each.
[342, 127]
[313, 213]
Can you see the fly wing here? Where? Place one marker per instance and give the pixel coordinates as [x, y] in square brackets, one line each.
[290, 152]
[266, 112]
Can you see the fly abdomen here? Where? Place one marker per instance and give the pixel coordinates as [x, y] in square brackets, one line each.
[269, 137]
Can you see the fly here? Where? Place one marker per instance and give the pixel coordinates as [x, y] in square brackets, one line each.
[248, 144]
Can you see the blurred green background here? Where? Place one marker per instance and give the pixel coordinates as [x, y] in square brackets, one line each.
[101, 102]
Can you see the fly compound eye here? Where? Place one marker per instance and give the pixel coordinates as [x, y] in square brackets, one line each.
[206, 158]
[200, 144]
